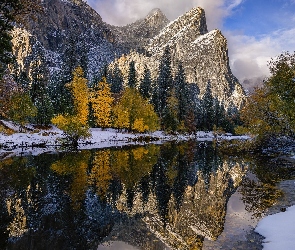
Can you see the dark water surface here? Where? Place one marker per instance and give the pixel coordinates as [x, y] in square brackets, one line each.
[170, 196]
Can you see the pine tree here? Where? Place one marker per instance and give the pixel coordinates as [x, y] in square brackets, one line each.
[116, 80]
[221, 116]
[45, 110]
[165, 82]
[208, 106]
[83, 51]
[170, 121]
[145, 87]
[132, 75]
[7, 7]
[101, 102]
[11, 12]
[70, 59]
[181, 93]
[60, 95]
[38, 87]
[194, 116]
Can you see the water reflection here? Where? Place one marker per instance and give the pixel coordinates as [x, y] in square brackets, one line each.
[150, 197]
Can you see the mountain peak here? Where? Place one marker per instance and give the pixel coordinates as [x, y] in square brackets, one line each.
[156, 11]
[185, 29]
[155, 17]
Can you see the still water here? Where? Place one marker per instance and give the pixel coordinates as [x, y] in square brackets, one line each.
[171, 196]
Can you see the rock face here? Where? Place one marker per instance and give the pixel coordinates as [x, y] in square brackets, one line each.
[203, 54]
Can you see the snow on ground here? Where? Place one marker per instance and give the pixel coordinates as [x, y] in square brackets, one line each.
[278, 230]
[29, 142]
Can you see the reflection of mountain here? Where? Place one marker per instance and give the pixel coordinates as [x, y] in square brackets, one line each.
[201, 214]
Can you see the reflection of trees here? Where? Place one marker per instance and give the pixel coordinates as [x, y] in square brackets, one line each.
[76, 166]
[131, 165]
[207, 159]
[36, 211]
[261, 193]
[179, 191]
[100, 175]
[258, 197]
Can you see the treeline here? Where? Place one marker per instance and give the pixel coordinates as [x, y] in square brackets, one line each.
[269, 111]
[73, 103]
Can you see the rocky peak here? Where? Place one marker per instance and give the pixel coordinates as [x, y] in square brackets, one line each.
[135, 36]
[156, 17]
[186, 28]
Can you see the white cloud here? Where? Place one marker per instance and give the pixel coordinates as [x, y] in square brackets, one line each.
[122, 12]
[249, 56]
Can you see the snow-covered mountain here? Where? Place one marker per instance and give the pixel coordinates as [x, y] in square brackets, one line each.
[72, 24]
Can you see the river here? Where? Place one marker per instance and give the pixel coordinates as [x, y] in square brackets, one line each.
[172, 196]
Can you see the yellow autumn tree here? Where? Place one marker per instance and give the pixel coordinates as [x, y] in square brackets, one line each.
[76, 126]
[101, 102]
[134, 113]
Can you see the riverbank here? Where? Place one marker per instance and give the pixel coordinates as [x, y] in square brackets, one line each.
[36, 141]
[278, 226]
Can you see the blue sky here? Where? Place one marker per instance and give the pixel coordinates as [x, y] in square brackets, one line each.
[258, 17]
[256, 30]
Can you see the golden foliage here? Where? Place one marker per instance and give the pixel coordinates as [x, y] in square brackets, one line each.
[271, 108]
[101, 100]
[133, 112]
[121, 117]
[260, 114]
[80, 94]
[71, 125]
[76, 126]
[139, 125]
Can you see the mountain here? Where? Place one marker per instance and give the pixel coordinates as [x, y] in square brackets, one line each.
[72, 25]
[204, 56]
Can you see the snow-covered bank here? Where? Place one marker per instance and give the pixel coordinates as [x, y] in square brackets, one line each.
[278, 230]
[40, 141]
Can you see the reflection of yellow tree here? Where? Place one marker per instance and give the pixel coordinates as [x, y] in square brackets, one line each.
[130, 166]
[100, 174]
[75, 165]
[20, 175]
